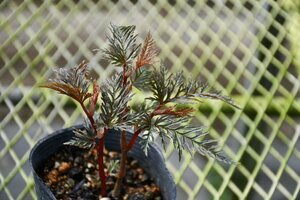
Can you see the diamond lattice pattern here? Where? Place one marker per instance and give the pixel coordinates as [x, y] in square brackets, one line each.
[247, 48]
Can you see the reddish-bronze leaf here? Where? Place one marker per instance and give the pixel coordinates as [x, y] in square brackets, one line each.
[93, 101]
[96, 91]
[173, 110]
[183, 111]
[73, 82]
[148, 52]
[69, 90]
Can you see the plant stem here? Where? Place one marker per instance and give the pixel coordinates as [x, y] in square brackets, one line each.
[133, 139]
[124, 74]
[89, 116]
[123, 143]
[100, 154]
[100, 149]
[122, 170]
[138, 131]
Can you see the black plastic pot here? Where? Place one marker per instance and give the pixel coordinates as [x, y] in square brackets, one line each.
[153, 164]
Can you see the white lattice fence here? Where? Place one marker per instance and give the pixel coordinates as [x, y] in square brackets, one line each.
[247, 48]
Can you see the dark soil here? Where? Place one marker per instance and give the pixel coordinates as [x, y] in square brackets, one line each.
[72, 174]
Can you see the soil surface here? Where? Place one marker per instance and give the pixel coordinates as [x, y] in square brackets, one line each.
[72, 174]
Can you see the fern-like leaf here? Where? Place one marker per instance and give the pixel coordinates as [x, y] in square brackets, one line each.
[141, 79]
[175, 88]
[174, 110]
[122, 49]
[83, 139]
[171, 87]
[113, 167]
[72, 82]
[148, 52]
[217, 96]
[183, 137]
[146, 139]
[115, 97]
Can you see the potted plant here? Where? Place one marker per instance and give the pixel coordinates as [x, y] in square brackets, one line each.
[116, 122]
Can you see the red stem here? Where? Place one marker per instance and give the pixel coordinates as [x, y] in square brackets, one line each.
[89, 116]
[155, 111]
[133, 138]
[100, 149]
[100, 154]
[123, 143]
[137, 132]
[122, 171]
[124, 74]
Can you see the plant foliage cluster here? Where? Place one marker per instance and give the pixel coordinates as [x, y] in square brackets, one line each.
[167, 111]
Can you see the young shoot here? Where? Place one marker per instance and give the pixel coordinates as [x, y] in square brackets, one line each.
[167, 110]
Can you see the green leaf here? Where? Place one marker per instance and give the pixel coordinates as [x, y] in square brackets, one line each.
[115, 97]
[113, 166]
[167, 87]
[146, 139]
[122, 49]
[141, 79]
[183, 136]
[82, 139]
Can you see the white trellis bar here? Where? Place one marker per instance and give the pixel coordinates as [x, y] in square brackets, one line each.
[249, 49]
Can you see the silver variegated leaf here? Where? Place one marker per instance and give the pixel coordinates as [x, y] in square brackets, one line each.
[83, 139]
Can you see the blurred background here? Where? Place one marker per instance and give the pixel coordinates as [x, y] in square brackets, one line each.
[249, 49]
